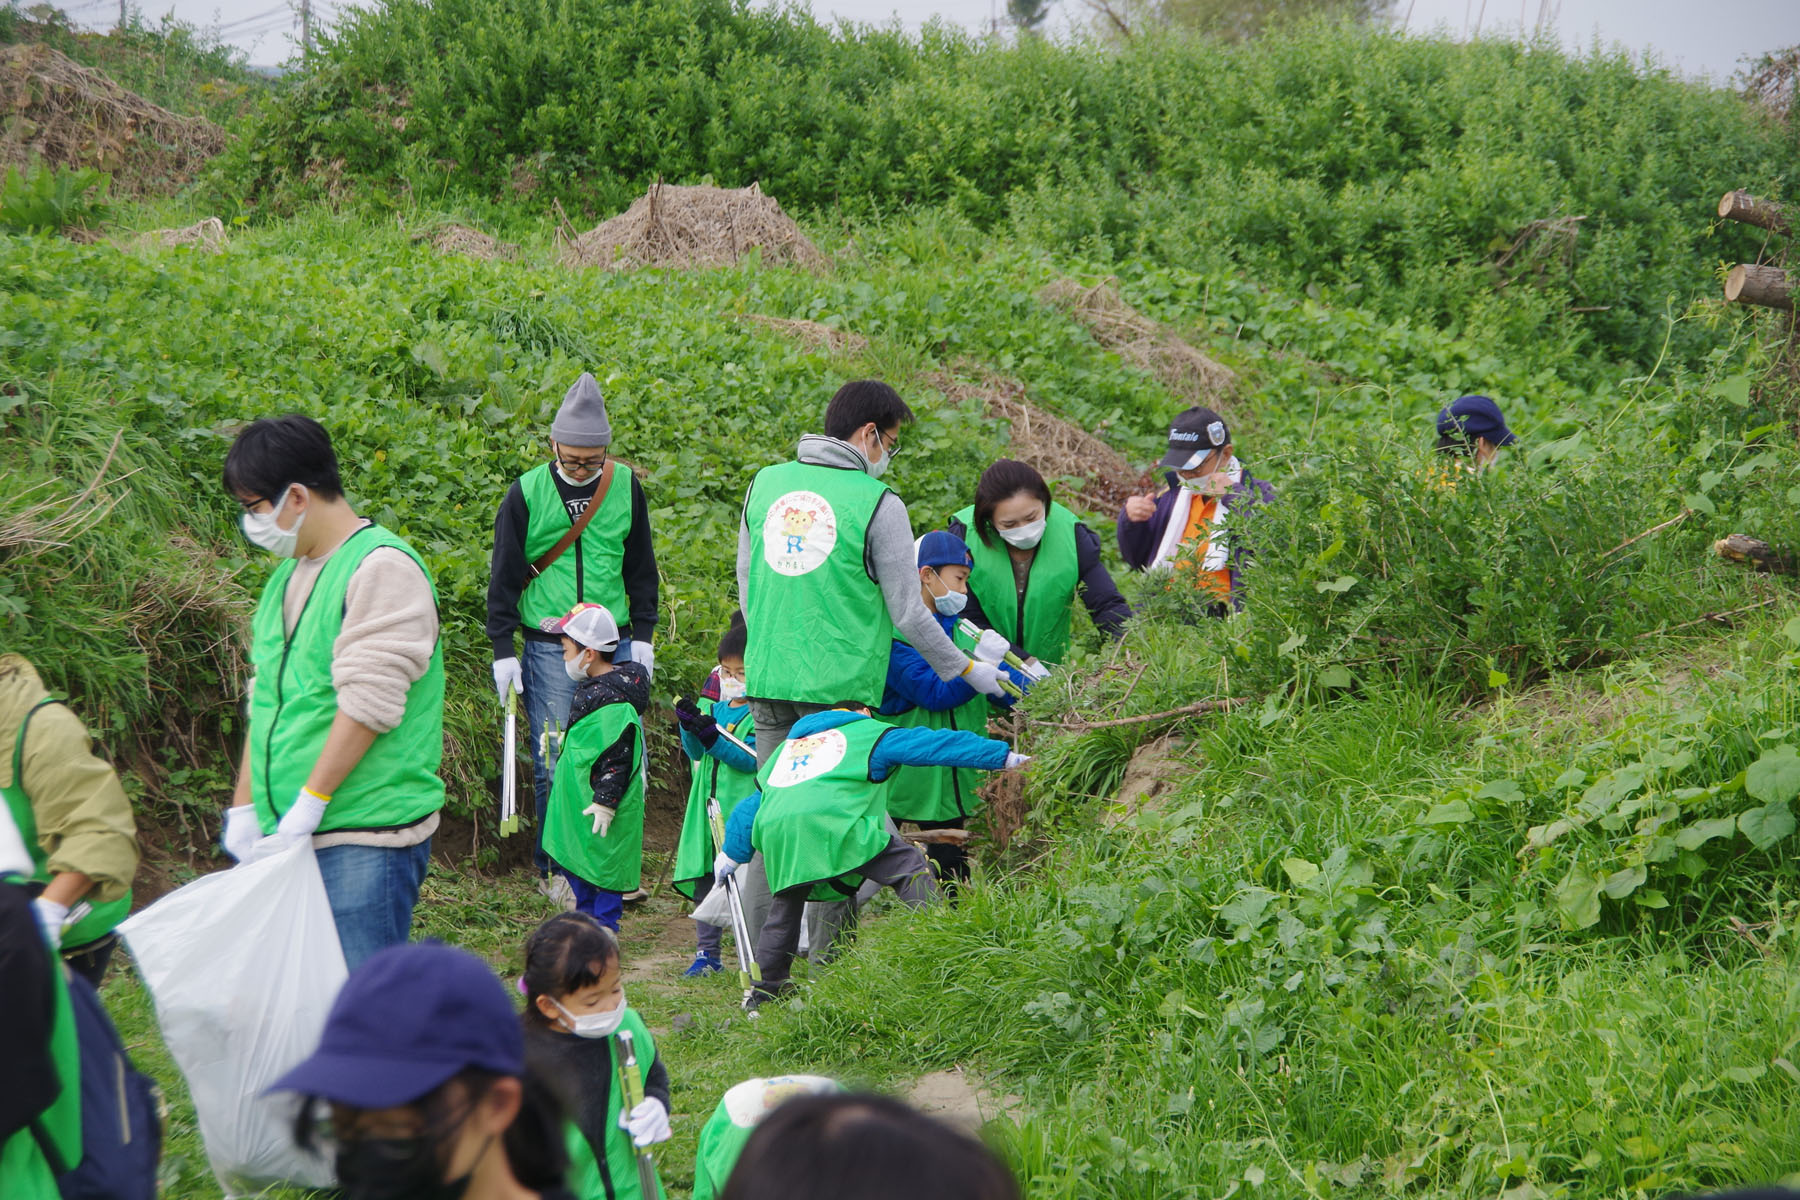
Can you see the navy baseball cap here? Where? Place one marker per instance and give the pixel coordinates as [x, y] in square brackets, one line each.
[408, 1019]
[1471, 417]
[941, 548]
[1192, 436]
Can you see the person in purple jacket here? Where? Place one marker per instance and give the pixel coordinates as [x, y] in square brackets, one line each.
[1195, 528]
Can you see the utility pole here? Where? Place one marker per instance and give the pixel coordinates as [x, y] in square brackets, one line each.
[305, 26]
[122, 15]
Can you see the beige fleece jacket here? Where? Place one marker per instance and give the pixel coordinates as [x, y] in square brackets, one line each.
[83, 817]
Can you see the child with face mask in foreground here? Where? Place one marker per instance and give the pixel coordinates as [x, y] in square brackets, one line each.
[594, 822]
[575, 1007]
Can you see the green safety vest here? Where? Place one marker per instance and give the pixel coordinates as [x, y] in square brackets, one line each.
[396, 782]
[25, 1169]
[736, 1118]
[593, 569]
[930, 794]
[822, 817]
[818, 626]
[613, 862]
[1037, 618]
[611, 1173]
[103, 917]
[695, 852]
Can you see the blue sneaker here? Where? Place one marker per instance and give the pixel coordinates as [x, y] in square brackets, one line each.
[703, 964]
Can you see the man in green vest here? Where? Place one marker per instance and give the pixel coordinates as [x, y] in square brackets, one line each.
[575, 530]
[347, 689]
[826, 576]
[74, 816]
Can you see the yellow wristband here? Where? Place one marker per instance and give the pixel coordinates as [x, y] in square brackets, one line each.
[321, 797]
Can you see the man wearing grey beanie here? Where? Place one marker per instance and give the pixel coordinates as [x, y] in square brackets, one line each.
[551, 553]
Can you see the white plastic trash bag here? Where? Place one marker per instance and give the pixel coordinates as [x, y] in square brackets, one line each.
[715, 909]
[243, 966]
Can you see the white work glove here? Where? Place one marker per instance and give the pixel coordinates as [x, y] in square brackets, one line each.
[991, 647]
[241, 831]
[984, 677]
[508, 675]
[52, 916]
[645, 654]
[648, 1123]
[1036, 670]
[1015, 760]
[299, 822]
[550, 743]
[723, 867]
[603, 817]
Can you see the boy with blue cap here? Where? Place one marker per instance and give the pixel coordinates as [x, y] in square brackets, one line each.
[1472, 428]
[941, 797]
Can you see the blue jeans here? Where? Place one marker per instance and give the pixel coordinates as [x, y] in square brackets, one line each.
[548, 694]
[372, 890]
[604, 906]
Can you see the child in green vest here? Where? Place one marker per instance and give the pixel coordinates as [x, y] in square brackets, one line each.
[821, 820]
[574, 1005]
[594, 823]
[940, 797]
[723, 771]
[739, 1112]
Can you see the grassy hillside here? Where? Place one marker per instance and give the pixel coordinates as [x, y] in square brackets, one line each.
[1486, 884]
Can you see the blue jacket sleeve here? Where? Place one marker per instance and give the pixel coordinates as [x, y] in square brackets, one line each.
[911, 678]
[738, 826]
[932, 748]
[690, 746]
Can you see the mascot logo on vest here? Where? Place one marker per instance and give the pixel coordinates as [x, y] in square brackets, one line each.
[799, 533]
[804, 758]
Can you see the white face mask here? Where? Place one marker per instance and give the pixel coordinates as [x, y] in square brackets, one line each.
[565, 477]
[731, 691]
[878, 469]
[594, 1025]
[1024, 537]
[950, 603]
[264, 530]
[573, 669]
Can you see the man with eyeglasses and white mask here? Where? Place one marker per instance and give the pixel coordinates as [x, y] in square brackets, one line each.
[1195, 528]
[346, 700]
[574, 530]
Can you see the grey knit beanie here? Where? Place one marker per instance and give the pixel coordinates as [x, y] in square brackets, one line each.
[581, 421]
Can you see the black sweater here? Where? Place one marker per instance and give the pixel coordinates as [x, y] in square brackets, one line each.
[508, 574]
[627, 682]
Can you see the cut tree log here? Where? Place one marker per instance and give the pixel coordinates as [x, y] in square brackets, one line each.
[1754, 553]
[937, 837]
[1764, 214]
[1755, 283]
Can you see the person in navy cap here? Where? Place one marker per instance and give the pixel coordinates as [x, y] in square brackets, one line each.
[1472, 428]
[423, 1063]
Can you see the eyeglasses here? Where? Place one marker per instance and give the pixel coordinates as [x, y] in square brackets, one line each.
[581, 464]
[881, 437]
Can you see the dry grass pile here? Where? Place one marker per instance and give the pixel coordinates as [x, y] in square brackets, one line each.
[74, 116]
[811, 334]
[1099, 476]
[451, 238]
[207, 235]
[1137, 339]
[682, 227]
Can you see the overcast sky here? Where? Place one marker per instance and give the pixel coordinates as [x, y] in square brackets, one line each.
[1692, 35]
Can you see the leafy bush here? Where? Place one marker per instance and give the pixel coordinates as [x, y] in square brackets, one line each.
[37, 198]
[1322, 157]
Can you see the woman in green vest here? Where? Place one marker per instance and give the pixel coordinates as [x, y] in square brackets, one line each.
[1033, 560]
[70, 808]
[346, 726]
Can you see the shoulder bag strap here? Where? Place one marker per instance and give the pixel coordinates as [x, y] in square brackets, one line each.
[579, 526]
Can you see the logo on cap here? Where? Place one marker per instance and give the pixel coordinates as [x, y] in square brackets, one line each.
[1183, 435]
[1215, 433]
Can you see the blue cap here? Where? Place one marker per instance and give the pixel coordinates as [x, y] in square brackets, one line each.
[941, 548]
[1471, 417]
[408, 1019]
